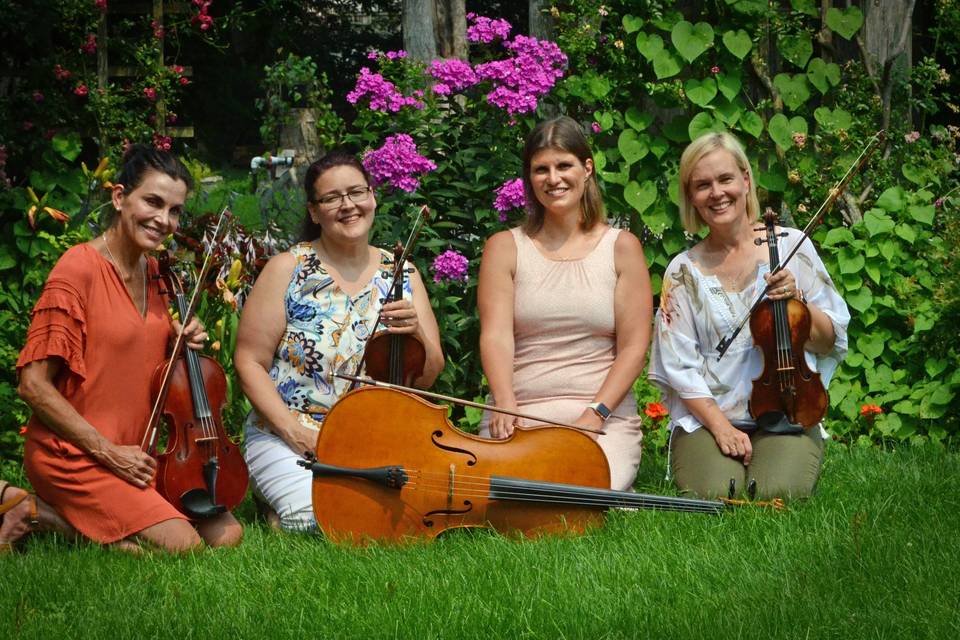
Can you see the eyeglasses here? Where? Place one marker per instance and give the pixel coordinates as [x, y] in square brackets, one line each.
[335, 200]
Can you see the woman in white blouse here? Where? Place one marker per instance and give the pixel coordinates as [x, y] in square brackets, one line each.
[706, 291]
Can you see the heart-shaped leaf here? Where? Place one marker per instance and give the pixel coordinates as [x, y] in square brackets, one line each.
[619, 177]
[922, 213]
[598, 85]
[632, 23]
[604, 119]
[893, 199]
[700, 92]
[666, 65]
[729, 84]
[877, 222]
[633, 146]
[659, 146]
[906, 232]
[793, 89]
[752, 123]
[796, 49]
[822, 75]
[738, 43]
[833, 120]
[773, 180]
[703, 123]
[727, 112]
[808, 7]
[838, 235]
[913, 173]
[844, 22]
[861, 299]
[850, 260]
[656, 219]
[640, 196]
[649, 45]
[691, 40]
[637, 119]
[871, 345]
[781, 129]
[676, 129]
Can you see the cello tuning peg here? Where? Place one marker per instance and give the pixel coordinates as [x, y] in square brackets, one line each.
[752, 488]
[732, 489]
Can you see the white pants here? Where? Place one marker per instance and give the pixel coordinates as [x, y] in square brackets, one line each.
[278, 479]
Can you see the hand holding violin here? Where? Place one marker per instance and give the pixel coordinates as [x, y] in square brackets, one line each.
[400, 317]
[195, 336]
[783, 286]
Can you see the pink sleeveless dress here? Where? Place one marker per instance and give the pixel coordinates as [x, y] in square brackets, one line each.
[565, 343]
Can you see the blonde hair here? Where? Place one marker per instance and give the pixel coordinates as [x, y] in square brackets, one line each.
[562, 134]
[695, 151]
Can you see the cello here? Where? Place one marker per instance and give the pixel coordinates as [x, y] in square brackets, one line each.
[411, 475]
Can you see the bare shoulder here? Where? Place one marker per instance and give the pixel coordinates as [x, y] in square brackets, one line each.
[628, 252]
[501, 242]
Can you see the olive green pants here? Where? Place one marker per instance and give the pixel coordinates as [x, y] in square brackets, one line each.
[783, 465]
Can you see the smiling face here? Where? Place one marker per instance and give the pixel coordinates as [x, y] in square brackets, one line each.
[718, 189]
[342, 218]
[558, 179]
[150, 212]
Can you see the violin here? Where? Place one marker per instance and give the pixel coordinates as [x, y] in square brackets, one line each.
[391, 357]
[201, 472]
[409, 474]
[787, 389]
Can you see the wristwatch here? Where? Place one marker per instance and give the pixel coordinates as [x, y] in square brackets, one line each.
[600, 409]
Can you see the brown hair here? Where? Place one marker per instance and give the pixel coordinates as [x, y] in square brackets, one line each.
[336, 158]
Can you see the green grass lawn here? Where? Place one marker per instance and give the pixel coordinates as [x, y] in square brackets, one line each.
[873, 555]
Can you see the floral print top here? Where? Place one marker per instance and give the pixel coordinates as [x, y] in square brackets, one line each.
[696, 312]
[326, 333]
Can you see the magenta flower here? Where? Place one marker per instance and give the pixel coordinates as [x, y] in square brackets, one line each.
[595, 126]
[396, 55]
[38, 96]
[454, 74]
[510, 195]
[90, 46]
[938, 203]
[440, 89]
[714, 69]
[486, 30]
[372, 55]
[396, 163]
[519, 81]
[150, 93]
[81, 90]
[448, 266]
[162, 143]
[383, 94]
[101, 4]
[60, 73]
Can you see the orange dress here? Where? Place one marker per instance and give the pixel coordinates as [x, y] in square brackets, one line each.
[108, 352]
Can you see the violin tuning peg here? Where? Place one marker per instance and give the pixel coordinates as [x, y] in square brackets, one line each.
[758, 241]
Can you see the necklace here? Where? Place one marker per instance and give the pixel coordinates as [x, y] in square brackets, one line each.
[143, 273]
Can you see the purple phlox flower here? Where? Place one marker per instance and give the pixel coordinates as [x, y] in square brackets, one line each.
[396, 163]
[450, 265]
[441, 89]
[373, 55]
[520, 80]
[396, 55]
[384, 96]
[510, 195]
[483, 29]
[455, 74]
[596, 127]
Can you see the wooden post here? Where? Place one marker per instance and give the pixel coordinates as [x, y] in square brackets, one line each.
[161, 124]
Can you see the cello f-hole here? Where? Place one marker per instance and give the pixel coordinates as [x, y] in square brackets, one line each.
[435, 438]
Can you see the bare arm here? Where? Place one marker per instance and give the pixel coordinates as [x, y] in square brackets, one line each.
[38, 390]
[633, 315]
[495, 297]
[262, 325]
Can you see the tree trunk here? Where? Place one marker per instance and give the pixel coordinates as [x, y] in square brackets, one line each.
[451, 28]
[541, 23]
[419, 30]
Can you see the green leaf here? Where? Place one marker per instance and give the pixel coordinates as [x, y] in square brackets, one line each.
[924, 213]
[871, 345]
[773, 180]
[850, 260]
[598, 85]
[838, 235]
[604, 119]
[796, 49]
[844, 22]
[893, 199]
[631, 23]
[67, 145]
[727, 112]
[793, 89]
[640, 196]
[637, 119]
[822, 75]
[649, 45]
[676, 130]
[781, 129]
[808, 7]
[906, 232]
[633, 147]
[738, 43]
[7, 261]
[833, 120]
[935, 366]
[659, 146]
[877, 222]
[700, 92]
[729, 84]
[691, 40]
[913, 173]
[752, 123]
[703, 123]
[666, 65]
[656, 219]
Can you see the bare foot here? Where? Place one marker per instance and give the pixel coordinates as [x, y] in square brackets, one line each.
[17, 521]
[128, 546]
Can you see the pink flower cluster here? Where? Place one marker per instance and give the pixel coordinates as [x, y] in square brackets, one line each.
[161, 142]
[453, 74]
[150, 93]
[510, 195]
[101, 4]
[60, 73]
[396, 163]
[203, 18]
[158, 31]
[81, 90]
[519, 81]
[911, 137]
[487, 30]
[450, 265]
[90, 46]
[384, 96]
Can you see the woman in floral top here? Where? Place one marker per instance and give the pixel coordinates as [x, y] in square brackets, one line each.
[309, 316]
[706, 291]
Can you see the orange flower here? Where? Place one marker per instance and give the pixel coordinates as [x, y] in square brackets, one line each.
[23, 430]
[656, 411]
[870, 411]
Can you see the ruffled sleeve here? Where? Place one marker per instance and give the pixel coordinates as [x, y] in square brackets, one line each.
[58, 329]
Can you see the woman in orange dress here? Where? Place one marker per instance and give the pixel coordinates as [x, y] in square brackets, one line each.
[99, 329]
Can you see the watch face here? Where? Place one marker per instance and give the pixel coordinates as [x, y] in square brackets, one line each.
[601, 409]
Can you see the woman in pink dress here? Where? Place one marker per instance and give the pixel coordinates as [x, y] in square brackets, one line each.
[99, 329]
[565, 305]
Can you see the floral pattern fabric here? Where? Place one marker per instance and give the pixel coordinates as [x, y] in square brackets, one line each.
[696, 312]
